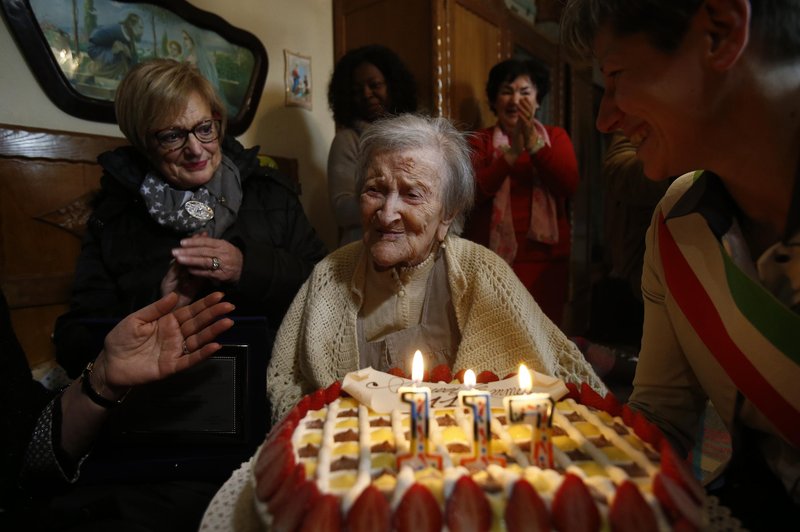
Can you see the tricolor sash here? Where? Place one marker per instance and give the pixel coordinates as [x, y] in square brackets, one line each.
[751, 334]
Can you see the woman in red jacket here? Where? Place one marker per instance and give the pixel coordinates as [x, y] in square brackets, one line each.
[526, 172]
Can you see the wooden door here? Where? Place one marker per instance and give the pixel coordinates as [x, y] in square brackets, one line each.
[476, 44]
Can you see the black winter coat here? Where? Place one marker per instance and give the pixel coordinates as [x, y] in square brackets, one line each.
[125, 253]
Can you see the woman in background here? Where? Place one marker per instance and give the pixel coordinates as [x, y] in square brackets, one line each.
[525, 173]
[367, 83]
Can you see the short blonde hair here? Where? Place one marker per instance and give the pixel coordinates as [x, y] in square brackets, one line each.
[154, 93]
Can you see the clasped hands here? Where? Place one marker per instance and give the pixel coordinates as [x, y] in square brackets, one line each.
[528, 133]
[199, 259]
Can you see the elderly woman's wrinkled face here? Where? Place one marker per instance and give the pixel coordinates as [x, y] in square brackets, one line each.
[401, 207]
[193, 164]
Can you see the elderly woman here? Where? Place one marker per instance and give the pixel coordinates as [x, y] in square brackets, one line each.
[411, 283]
[184, 209]
[526, 172]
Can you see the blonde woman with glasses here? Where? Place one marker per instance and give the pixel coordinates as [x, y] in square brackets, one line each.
[184, 209]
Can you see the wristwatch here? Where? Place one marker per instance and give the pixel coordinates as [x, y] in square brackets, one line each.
[91, 393]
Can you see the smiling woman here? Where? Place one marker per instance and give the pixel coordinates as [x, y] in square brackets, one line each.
[704, 85]
[368, 83]
[412, 283]
[526, 174]
[185, 209]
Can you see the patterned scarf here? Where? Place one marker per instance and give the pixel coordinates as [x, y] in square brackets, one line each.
[212, 207]
[543, 220]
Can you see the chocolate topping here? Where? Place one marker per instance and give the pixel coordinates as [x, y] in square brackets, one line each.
[620, 429]
[383, 447]
[380, 422]
[309, 451]
[446, 421]
[458, 448]
[344, 463]
[576, 455]
[348, 435]
[600, 441]
[632, 469]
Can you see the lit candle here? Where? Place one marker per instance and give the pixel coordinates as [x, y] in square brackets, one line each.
[478, 402]
[418, 398]
[537, 410]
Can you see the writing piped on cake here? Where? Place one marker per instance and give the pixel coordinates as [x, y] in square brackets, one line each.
[378, 390]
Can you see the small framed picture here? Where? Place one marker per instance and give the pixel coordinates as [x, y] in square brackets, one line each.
[297, 79]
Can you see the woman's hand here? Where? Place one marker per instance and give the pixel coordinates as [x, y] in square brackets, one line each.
[179, 280]
[159, 340]
[526, 122]
[148, 345]
[210, 258]
[524, 134]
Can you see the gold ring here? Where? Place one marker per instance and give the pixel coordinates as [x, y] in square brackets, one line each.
[214, 264]
[185, 348]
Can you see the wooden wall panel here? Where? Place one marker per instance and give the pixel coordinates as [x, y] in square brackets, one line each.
[476, 45]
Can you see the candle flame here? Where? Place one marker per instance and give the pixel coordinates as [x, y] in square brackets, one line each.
[417, 367]
[469, 378]
[525, 381]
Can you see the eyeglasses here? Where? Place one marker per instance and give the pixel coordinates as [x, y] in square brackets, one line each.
[174, 138]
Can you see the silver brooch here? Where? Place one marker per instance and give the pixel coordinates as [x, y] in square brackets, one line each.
[199, 210]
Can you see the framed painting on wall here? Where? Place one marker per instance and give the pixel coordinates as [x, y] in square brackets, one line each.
[79, 50]
[297, 79]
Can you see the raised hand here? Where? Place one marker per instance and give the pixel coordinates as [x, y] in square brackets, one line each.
[160, 340]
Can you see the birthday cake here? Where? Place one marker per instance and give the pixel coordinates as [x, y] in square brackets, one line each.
[346, 458]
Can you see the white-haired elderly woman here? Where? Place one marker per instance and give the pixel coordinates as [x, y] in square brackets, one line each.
[412, 283]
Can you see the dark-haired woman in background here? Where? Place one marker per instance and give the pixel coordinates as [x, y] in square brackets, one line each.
[525, 173]
[367, 83]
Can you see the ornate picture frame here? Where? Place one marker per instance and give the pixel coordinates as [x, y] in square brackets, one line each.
[78, 50]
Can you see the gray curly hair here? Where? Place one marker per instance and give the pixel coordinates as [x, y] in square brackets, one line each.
[414, 131]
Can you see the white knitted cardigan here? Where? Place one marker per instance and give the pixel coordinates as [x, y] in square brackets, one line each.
[501, 325]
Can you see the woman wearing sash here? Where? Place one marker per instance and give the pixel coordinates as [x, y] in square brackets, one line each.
[707, 85]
